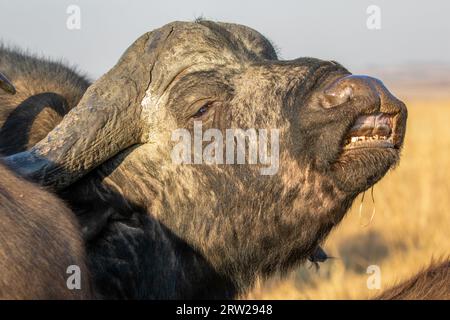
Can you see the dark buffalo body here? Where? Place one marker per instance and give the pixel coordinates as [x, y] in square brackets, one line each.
[39, 241]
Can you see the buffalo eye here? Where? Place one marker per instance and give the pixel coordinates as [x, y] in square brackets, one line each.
[203, 110]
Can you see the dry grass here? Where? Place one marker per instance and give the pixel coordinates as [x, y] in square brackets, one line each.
[410, 227]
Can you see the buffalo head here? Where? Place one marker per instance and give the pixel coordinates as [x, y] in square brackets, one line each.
[330, 135]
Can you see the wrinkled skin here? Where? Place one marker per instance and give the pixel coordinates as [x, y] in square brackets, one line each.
[156, 229]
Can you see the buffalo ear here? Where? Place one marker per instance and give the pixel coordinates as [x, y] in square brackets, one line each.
[107, 120]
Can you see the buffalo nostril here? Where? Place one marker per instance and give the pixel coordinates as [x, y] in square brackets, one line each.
[349, 87]
[337, 95]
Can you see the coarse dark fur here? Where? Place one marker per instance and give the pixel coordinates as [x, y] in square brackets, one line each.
[431, 283]
[156, 230]
[39, 240]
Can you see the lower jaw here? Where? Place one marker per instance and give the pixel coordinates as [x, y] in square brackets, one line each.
[360, 168]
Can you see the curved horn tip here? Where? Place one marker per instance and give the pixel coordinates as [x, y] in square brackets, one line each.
[28, 166]
[6, 84]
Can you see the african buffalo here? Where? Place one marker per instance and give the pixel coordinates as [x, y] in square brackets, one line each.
[155, 228]
[40, 239]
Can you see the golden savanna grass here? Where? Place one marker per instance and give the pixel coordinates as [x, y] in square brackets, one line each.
[411, 225]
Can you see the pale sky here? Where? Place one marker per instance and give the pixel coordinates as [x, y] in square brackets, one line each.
[411, 31]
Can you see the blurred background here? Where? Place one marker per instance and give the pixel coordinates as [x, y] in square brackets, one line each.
[404, 43]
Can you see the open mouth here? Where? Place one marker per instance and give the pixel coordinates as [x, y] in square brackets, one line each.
[371, 131]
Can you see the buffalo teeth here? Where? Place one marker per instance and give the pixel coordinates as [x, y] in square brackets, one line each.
[366, 138]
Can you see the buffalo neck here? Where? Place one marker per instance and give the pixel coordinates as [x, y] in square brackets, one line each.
[131, 255]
